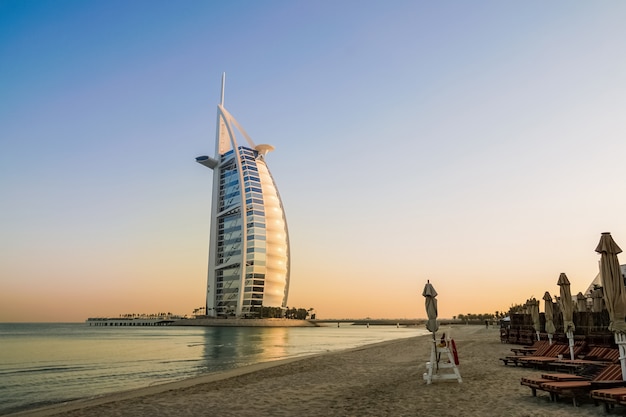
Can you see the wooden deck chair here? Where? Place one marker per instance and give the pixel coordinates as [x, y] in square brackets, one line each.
[534, 381]
[529, 350]
[610, 377]
[597, 355]
[541, 351]
[550, 356]
[608, 397]
[612, 355]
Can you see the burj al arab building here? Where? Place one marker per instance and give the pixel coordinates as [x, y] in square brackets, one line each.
[248, 242]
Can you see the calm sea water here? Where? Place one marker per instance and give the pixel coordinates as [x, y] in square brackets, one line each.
[48, 363]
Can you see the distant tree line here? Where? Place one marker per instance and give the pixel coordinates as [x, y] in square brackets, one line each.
[146, 316]
[475, 317]
[515, 308]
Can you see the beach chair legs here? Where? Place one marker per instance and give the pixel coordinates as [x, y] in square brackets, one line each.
[576, 400]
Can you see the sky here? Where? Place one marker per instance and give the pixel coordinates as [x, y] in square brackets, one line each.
[479, 145]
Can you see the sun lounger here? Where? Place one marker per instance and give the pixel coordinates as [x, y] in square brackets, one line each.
[612, 355]
[597, 355]
[609, 377]
[534, 382]
[529, 350]
[540, 352]
[551, 355]
[609, 396]
[601, 353]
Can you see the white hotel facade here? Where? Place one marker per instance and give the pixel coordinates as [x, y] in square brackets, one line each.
[249, 242]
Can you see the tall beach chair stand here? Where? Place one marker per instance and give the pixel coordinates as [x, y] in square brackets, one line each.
[444, 361]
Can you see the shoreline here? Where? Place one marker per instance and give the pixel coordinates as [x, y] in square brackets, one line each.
[380, 379]
[62, 407]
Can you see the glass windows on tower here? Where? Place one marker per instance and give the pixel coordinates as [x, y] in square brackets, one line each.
[229, 239]
[227, 289]
[229, 189]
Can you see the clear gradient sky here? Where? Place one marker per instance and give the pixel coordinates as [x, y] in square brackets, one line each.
[478, 144]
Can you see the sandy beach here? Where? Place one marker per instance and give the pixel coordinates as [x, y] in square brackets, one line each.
[384, 379]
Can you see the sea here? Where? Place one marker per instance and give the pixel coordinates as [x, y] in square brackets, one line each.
[47, 363]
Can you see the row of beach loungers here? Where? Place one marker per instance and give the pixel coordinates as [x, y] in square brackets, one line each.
[594, 375]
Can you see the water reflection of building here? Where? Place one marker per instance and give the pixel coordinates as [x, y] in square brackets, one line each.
[229, 347]
[248, 243]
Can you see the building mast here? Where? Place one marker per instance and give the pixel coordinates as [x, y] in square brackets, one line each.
[222, 93]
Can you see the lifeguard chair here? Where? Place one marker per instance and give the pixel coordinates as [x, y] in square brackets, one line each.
[444, 361]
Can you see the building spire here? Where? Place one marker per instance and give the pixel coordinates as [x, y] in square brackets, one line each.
[222, 93]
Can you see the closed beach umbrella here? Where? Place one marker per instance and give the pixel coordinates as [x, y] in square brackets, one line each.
[549, 313]
[614, 292]
[567, 308]
[429, 294]
[534, 314]
[581, 302]
[597, 297]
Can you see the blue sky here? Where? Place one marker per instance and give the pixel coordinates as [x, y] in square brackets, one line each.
[479, 145]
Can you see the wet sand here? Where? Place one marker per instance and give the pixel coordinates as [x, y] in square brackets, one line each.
[384, 379]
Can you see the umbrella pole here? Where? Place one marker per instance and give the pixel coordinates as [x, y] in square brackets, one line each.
[538, 337]
[620, 339]
[438, 354]
[570, 336]
[549, 338]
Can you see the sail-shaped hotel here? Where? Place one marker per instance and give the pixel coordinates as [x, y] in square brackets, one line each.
[248, 242]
